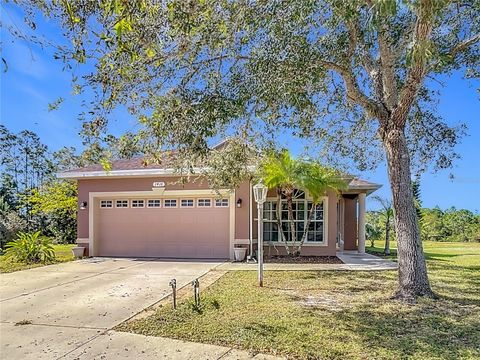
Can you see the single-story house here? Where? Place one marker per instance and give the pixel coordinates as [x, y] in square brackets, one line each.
[134, 210]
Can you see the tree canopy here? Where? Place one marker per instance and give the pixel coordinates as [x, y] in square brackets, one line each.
[354, 77]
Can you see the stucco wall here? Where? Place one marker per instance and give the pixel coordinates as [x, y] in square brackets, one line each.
[242, 214]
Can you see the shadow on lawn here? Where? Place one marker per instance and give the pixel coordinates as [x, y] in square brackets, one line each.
[425, 329]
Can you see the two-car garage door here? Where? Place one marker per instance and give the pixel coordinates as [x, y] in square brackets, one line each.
[163, 227]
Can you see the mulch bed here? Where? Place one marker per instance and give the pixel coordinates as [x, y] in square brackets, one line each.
[282, 259]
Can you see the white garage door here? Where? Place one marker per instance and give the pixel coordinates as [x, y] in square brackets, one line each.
[163, 227]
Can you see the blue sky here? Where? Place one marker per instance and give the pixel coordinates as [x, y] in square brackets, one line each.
[34, 79]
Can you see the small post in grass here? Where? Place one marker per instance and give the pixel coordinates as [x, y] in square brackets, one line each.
[196, 292]
[173, 284]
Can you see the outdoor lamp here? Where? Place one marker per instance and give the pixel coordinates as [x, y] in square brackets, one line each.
[83, 205]
[260, 194]
[239, 203]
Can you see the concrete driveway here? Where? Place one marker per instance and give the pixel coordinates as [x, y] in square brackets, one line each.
[67, 305]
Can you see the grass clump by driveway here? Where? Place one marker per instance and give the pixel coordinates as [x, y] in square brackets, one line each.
[334, 315]
[63, 253]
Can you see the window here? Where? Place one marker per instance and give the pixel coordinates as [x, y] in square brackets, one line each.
[301, 210]
[315, 230]
[169, 203]
[221, 202]
[204, 202]
[138, 203]
[121, 203]
[154, 203]
[106, 203]
[186, 203]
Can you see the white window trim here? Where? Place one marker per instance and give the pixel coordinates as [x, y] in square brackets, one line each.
[187, 206]
[105, 207]
[154, 207]
[204, 206]
[307, 243]
[137, 207]
[170, 207]
[122, 207]
[222, 206]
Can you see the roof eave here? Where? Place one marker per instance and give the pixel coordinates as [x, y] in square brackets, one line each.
[361, 188]
[97, 174]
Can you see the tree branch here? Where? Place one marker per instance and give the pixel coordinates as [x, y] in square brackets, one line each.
[417, 71]
[464, 45]
[387, 63]
[354, 93]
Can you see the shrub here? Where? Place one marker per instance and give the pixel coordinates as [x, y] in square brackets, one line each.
[10, 224]
[31, 248]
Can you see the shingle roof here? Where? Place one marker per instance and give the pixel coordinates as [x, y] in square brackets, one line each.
[360, 183]
[137, 163]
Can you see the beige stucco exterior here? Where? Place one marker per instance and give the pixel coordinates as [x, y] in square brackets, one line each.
[191, 232]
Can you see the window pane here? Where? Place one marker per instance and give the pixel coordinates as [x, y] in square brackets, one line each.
[154, 203]
[275, 236]
[187, 203]
[170, 203]
[204, 202]
[300, 227]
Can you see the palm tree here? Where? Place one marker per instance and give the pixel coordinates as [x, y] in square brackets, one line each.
[280, 171]
[286, 174]
[316, 180]
[387, 214]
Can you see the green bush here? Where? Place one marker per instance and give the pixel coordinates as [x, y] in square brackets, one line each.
[31, 248]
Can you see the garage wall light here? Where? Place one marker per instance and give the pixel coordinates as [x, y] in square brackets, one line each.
[239, 203]
[83, 205]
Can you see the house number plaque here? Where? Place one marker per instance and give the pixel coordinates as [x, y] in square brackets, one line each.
[158, 184]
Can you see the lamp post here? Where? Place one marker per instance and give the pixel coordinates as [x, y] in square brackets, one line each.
[260, 195]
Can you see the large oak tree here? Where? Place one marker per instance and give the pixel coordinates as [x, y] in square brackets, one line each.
[355, 77]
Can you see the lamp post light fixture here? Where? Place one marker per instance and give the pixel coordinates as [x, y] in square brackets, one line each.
[260, 195]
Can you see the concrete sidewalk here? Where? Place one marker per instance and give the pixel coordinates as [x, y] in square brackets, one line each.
[352, 261]
[120, 345]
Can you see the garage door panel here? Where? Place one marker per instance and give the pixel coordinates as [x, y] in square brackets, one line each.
[163, 232]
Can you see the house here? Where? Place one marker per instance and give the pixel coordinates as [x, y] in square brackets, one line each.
[134, 210]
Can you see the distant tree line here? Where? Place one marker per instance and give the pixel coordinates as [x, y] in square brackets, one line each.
[31, 198]
[435, 225]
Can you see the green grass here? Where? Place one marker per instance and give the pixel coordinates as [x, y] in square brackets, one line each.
[63, 253]
[336, 315]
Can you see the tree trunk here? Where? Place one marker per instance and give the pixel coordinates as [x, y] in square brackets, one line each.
[413, 279]
[279, 222]
[387, 236]
[307, 225]
[289, 197]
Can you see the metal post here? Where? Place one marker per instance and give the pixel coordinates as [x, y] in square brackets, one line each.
[260, 244]
[196, 292]
[173, 284]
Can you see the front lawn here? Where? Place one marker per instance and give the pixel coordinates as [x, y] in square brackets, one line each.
[62, 253]
[336, 315]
